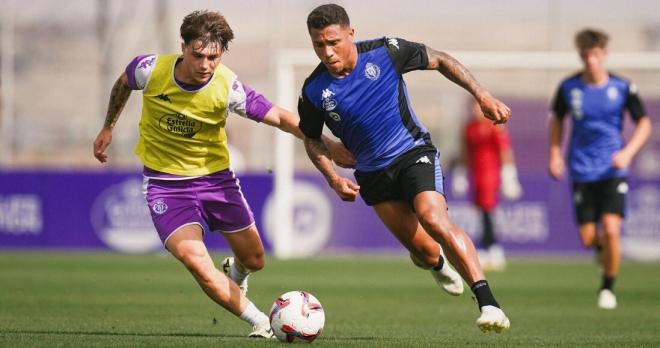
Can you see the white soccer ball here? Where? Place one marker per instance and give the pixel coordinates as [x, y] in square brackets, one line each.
[297, 316]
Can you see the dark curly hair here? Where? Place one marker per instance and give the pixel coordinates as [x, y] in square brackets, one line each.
[326, 15]
[208, 27]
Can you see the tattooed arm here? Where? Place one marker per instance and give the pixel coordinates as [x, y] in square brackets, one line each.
[320, 156]
[452, 69]
[118, 98]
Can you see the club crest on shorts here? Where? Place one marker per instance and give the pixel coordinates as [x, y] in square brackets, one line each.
[159, 207]
[577, 197]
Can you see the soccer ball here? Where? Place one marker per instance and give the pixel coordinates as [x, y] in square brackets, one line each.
[297, 316]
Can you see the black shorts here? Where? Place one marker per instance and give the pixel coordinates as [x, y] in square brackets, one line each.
[415, 171]
[594, 198]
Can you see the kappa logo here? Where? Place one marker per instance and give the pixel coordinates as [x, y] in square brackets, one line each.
[622, 188]
[164, 97]
[146, 63]
[159, 207]
[633, 88]
[393, 42]
[576, 103]
[424, 159]
[329, 104]
[327, 93]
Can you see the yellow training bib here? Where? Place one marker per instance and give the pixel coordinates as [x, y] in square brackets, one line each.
[183, 132]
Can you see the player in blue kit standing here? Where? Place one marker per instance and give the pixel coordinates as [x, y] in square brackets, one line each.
[359, 93]
[598, 155]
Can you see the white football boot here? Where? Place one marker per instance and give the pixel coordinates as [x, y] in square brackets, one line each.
[606, 299]
[262, 330]
[492, 319]
[226, 269]
[448, 279]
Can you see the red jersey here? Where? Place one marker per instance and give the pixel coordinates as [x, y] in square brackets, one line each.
[484, 143]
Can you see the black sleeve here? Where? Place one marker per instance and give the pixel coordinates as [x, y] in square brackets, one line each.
[311, 118]
[559, 106]
[634, 104]
[406, 56]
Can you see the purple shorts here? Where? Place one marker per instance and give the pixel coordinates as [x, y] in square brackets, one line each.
[214, 201]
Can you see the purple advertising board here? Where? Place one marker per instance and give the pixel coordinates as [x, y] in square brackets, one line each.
[106, 210]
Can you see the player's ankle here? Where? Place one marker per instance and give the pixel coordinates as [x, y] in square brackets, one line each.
[482, 292]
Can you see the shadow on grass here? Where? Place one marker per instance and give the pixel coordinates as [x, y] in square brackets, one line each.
[108, 333]
[181, 334]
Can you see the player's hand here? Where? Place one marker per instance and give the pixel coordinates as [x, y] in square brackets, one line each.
[556, 167]
[101, 143]
[511, 188]
[493, 109]
[346, 189]
[340, 154]
[621, 159]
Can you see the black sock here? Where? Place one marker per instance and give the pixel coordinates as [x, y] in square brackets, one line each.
[483, 294]
[488, 237]
[441, 263]
[608, 283]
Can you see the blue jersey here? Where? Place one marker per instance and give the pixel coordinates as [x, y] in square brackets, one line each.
[597, 122]
[369, 109]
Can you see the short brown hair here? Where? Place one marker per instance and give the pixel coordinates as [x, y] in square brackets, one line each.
[206, 26]
[591, 38]
[327, 15]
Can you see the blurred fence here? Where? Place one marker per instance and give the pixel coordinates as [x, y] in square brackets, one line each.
[60, 60]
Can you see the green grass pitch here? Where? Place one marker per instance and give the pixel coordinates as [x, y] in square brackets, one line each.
[111, 300]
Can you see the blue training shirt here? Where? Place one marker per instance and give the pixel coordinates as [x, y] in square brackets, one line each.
[369, 109]
[597, 122]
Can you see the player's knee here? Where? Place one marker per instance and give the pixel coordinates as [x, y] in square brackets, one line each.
[610, 235]
[254, 262]
[588, 242]
[195, 261]
[611, 229]
[588, 237]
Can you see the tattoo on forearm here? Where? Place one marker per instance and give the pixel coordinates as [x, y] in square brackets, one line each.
[316, 149]
[318, 153]
[118, 98]
[455, 71]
